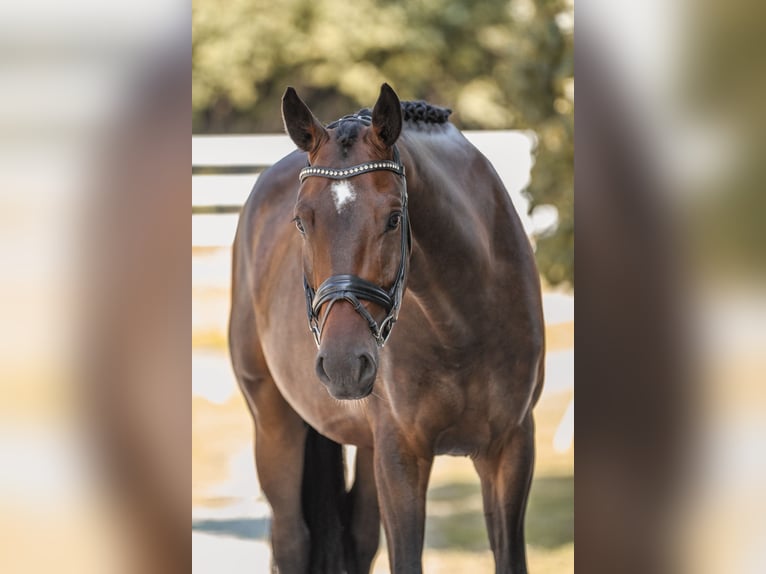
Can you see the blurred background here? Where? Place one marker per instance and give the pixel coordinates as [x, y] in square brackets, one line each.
[96, 433]
[506, 71]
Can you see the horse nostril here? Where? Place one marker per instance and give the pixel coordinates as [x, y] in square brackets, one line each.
[343, 371]
[321, 373]
[368, 369]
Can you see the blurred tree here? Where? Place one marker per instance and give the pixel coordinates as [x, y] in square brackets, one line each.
[497, 64]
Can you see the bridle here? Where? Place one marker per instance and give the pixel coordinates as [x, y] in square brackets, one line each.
[350, 287]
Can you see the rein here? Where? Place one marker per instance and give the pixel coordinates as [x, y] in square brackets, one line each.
[350, 287]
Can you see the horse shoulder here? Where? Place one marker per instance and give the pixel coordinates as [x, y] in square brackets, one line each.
[254, 242]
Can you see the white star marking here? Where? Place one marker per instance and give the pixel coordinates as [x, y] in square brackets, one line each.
[343, 193]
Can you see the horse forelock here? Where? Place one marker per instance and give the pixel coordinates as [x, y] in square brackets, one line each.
[346, 134]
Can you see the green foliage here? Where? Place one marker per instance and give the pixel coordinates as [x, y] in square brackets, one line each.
[498, 65]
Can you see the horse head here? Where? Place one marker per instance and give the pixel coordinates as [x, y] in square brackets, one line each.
[351, 212]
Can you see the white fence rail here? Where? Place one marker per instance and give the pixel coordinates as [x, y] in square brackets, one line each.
[214, 189]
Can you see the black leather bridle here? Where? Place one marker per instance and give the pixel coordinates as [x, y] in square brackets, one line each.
[350, 287]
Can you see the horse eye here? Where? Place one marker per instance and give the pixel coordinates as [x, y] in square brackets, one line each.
[299, 225]
[394, 220]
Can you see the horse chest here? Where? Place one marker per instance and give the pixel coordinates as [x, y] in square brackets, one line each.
[462, 440]
[444, 416]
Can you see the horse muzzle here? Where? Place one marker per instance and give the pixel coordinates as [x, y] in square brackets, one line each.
[348, 371]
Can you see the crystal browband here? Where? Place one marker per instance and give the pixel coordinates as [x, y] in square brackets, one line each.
[333, 173]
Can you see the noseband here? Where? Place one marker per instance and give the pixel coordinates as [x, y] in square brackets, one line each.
[350, 287]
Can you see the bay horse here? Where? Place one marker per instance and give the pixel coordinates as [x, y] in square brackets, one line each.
[395, 240]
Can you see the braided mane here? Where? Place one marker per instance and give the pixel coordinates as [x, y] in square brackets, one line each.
[420, 111]
[415, 113]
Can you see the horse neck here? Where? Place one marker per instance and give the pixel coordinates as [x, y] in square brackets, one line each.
[471, 259]
[450, 261]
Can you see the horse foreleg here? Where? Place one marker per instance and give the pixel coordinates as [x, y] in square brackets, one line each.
[505, 480]
[280, 437]
[365, 514]
[402, 481]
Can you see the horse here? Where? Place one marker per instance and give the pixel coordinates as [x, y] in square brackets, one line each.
[384, 295]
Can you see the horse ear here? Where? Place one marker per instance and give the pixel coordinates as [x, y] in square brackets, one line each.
[301, 125]
[387, 116]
